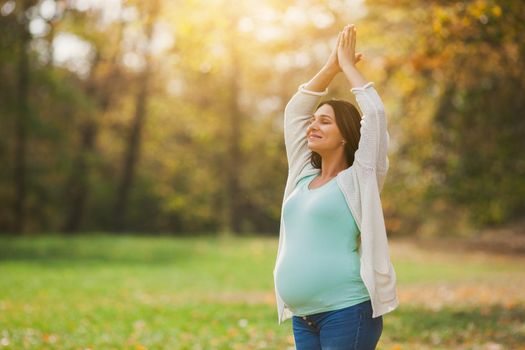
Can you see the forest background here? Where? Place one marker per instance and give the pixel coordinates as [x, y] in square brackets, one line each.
[167, 116]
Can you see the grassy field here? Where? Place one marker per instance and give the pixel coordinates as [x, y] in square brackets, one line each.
[131, 292]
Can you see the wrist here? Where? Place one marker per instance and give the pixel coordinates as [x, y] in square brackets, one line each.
[332, 70]
[348, 68]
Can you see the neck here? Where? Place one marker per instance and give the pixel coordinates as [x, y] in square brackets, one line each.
[332, 164]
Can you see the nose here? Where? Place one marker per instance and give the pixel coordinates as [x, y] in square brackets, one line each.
[312, 126]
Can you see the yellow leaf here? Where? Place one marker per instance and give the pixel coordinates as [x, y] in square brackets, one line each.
[496, 11]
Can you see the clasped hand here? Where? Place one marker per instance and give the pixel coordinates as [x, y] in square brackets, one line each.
[343, 54]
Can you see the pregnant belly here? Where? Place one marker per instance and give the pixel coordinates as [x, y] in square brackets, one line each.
[303, 280]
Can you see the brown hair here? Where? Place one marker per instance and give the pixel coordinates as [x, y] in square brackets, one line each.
[348, 120]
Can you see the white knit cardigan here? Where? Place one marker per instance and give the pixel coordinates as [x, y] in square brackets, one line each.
[361, 184]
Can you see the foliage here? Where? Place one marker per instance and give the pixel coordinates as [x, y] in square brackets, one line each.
[448, 72]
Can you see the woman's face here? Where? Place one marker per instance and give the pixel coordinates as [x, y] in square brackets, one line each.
[322, 133]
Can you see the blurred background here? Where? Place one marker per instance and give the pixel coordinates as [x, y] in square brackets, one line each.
[164, 118]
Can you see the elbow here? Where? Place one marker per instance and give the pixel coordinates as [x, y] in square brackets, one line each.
[382, 165]
[287, 117]
[288, 112]
[291, 105]
[291, 112]
[380, 109]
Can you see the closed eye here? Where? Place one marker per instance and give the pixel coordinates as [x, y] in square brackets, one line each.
[323, 121]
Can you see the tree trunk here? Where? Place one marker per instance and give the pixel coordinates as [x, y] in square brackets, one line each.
[79, 182]
[132, 153]
[234, 149]
[21, 126]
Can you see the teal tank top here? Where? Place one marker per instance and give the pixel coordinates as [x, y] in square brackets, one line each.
[319, 266]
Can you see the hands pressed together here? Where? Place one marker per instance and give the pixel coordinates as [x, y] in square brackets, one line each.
[343, 58]
[343, 54]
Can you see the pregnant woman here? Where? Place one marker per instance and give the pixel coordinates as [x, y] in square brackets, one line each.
[333, 275]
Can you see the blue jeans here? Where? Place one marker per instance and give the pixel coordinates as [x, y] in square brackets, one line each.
[350, 328]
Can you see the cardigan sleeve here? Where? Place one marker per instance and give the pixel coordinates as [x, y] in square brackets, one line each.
[373, 144]
[297, 112]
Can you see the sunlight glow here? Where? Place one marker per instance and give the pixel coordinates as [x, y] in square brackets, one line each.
[38, 27]
[295, 16]
[176, 86]
[268, 33]
[7, 8]
[73, 53]
[323, 19]
[269, 104]
[133, 61]
[162, 39]
[245, 24]
[111, 9]
[266, 14]
[48, 9]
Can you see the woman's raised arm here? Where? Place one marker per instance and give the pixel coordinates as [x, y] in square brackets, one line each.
[372, 150]
[297, 113]
[302, 105]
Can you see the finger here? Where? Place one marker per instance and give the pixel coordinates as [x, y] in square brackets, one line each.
[346, 37]
[343, 38]
[353, 37]
[335, 48]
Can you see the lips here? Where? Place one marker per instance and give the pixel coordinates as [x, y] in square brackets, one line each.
[314, 136]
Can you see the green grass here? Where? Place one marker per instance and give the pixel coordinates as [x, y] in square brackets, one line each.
[132, 292]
